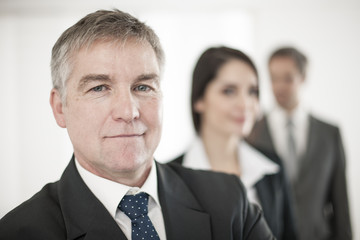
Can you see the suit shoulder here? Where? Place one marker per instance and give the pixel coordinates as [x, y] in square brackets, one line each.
[324, 126]
[178, 159]
[35, 216]
[261, 122]
[323, 123]
[257, 136]
[216, 182]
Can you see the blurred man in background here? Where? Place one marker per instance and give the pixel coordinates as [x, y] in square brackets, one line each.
[311, 150]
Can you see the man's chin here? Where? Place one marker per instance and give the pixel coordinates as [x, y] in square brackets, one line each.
[131, 164]
[283, 103]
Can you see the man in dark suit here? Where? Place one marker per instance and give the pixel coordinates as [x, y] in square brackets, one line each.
[311, 151]
[106, 76]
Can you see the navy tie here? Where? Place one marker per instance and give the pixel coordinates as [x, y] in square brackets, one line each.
[136, 208]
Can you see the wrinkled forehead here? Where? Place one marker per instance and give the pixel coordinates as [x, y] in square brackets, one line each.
[116, 58]
[116, 45]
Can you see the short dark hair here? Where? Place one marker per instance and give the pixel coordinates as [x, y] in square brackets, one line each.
[290, 52]
[206, 70]
[103, 25]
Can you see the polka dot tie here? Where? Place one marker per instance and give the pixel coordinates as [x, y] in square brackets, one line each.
[136, 208]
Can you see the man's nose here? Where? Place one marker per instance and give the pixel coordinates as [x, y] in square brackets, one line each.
[125, 106]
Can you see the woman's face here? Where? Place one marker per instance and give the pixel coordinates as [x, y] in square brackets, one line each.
[230, 102]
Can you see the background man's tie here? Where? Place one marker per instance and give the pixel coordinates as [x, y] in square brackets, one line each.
[291, 161]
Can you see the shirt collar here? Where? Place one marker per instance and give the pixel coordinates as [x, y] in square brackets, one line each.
[298, 116]
[110, 193]
[254, 165]
[196, 156]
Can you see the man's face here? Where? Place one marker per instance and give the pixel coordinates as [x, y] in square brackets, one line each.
[286, 82]
[113, 111]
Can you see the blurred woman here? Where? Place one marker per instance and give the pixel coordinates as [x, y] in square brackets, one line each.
[225, 102]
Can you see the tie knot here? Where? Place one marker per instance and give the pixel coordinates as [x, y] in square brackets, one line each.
[135, 206]
[289, 122]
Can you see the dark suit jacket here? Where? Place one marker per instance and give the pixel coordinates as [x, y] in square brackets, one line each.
[274, 198]
[320, 194]
[195, 205]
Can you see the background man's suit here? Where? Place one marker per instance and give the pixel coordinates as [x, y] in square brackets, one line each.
[320, 193]
[189, 201]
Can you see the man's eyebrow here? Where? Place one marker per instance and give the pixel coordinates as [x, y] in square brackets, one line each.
[150, 76]
[91, 78]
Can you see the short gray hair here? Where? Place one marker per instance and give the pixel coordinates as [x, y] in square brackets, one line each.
[104, 25]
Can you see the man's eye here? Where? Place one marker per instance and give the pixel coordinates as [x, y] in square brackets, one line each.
[98, 88]
[142, 88]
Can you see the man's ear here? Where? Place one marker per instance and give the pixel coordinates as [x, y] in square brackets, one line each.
[199, 106]
[57, 107]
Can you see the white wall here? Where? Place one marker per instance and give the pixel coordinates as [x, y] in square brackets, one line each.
[34, 150]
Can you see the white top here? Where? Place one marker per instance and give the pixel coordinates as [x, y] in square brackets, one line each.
[110, 194]
[278, 124]
[253, 164]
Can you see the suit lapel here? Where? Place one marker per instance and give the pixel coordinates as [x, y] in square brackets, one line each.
[265, 191]
[183, 216]
[86, 218]
[84, 215]
[313, 142]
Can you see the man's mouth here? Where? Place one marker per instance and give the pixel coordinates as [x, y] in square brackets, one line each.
[127, 135]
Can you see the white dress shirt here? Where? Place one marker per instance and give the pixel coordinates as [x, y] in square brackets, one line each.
[253, 164]
[278, 123]
[110, 194]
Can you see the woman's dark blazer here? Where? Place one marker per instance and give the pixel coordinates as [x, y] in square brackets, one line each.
[275, 200]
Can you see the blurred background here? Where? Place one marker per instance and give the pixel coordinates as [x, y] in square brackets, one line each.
[34, 150]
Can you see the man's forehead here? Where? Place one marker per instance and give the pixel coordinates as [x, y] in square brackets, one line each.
[111, 43]
[91, 66]
[110, 52]
[282, 63]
